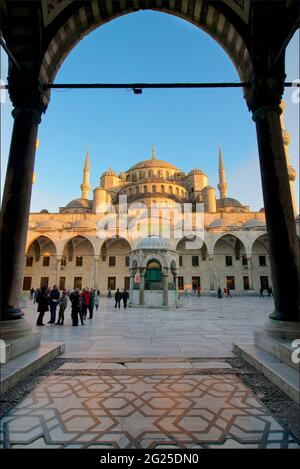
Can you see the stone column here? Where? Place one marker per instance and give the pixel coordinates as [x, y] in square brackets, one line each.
[15, 209]
[250, 273]
[27, 96]
[165, 288]
[96, 267]
[58, 270]
[211, 273]
[283, 246]
[142, 287]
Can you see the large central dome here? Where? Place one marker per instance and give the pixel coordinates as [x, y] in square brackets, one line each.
[153, 163]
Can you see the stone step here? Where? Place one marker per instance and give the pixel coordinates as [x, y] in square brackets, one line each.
[278, 347]
[19, 368]
[279, 373]
[146, 366]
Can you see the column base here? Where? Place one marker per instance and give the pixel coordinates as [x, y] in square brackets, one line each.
[282, 329]
[278, 316]
[18, 338]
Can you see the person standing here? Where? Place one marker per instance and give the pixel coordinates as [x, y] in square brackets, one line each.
[92, 304]
[76, 310]
[219, 293]
[125, 296]
[86, 300]
[62, 307]
[228, 295]
[97, 299]
[42, 300]
[31, 293]
[35, 295]
[261, 292]
[118, 297]
[199, 290]
[109, 293]
[54, 299]
[270, 291]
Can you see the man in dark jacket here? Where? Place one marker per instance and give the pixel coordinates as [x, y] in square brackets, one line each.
[54, 298]
[125, 296]
[43, 305]
[76, 309]
[118, 297]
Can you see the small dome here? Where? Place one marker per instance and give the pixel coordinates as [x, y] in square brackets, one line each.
[262, 209]
[50, 225]
[79, 203]
[221, 223]
[44, 211]
[83, 224]
[228, 202]
[254, 223]
[154, 242]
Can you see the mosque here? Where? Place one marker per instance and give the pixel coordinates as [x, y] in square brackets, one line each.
[65, 248]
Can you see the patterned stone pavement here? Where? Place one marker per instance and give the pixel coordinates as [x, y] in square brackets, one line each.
[141, 411]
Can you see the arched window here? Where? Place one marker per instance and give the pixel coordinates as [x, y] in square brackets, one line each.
[171, 189]
[162, 188]
[128, 177]
[153, 275]
[145, 189]
[177, 191]
[137, 189]
[154, 189]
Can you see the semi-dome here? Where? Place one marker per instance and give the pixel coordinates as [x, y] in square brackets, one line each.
[154, 242]
[79, 203]
[153, 163]
[228, 202]
[254, 223]
[221, 223]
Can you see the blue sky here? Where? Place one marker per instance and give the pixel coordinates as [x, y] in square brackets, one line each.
[186, 126]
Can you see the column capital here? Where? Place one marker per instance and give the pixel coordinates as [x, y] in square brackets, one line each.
[265, 94]
[27, 93]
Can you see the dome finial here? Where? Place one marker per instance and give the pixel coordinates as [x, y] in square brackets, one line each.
[153, 152]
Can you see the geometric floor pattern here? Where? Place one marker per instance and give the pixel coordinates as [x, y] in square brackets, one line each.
[137, 411]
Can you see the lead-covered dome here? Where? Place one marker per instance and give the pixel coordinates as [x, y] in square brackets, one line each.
[79, 203]
[228, 202]
[154, 242]
[153, 163]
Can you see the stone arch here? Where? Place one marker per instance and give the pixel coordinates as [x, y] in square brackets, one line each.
[73, 237]
[157, 256]
[36, 238]
[109, 242]
[260, 237]
[93, 14]
[223, 234]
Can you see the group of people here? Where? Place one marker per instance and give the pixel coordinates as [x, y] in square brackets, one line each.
[226, 292]
[124, 295]
[269, 291]
[81, 302]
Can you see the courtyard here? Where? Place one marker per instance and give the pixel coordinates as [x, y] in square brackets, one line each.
[149, 378]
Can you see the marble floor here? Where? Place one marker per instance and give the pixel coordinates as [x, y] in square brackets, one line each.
[204, 327]
[148, 379]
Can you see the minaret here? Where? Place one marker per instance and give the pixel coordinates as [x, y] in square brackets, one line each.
[85, 186]
[286, 141]
[222, 186]
[153, 153]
